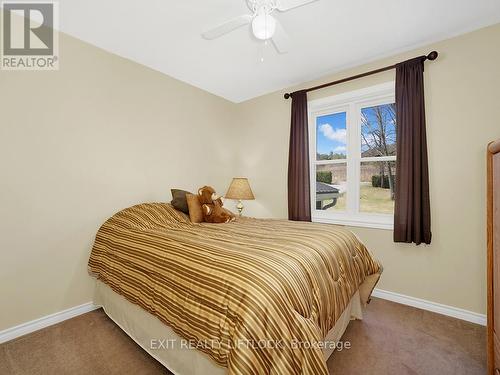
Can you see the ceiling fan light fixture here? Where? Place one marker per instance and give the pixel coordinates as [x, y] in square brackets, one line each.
[263, 26]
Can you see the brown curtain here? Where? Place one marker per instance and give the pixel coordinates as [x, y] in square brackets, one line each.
[299, 200]
[412, 214]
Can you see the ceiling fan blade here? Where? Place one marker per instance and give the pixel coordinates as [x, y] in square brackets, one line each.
[281, 40]
[227, 27]
[284, 5]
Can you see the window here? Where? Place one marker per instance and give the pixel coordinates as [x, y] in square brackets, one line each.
[353, 157]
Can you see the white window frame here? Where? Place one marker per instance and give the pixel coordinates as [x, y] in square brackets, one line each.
[351, 103]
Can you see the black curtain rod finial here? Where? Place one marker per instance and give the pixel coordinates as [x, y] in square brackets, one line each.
[432, 56]
[287, 96]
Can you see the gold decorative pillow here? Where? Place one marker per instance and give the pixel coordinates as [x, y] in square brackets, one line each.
[195, 211]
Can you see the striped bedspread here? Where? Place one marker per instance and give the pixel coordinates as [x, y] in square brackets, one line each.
[259, 296]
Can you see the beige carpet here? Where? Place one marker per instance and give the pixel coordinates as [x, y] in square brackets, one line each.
[392, 339]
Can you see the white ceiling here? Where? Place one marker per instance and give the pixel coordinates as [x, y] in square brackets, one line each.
[327, 36]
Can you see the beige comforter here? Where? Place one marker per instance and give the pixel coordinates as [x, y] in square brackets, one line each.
[258, 296]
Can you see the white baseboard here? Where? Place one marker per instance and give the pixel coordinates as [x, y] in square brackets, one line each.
[35, 325]
[439, 308]
[46, 321]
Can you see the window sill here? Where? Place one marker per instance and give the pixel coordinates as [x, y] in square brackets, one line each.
[375, 221]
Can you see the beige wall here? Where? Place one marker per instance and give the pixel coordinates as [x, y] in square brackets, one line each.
[77, 145]
[103, 133]
[463, 115]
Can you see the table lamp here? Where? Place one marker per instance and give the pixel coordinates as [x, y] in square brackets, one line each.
[239, 190]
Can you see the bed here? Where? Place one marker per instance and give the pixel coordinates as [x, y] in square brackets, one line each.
[248, 297]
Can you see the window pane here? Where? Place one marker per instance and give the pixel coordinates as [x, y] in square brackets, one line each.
[331, 187]
[331, 136]
[378, 131]
[377, 187]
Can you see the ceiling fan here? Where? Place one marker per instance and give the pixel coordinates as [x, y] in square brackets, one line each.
[264, 25]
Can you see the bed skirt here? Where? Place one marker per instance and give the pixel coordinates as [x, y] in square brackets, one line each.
[179, 355]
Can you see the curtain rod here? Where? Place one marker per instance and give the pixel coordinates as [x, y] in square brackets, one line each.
[431, 56]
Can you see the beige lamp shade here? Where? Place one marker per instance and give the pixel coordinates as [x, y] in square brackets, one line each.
[240, 189]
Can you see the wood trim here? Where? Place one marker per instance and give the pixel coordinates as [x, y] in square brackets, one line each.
[493, 148]
[496, 351]
[489, 267]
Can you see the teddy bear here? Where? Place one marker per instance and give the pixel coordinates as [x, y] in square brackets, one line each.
[211, 205]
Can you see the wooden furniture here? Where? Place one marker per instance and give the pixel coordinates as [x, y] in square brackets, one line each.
[493, 229]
